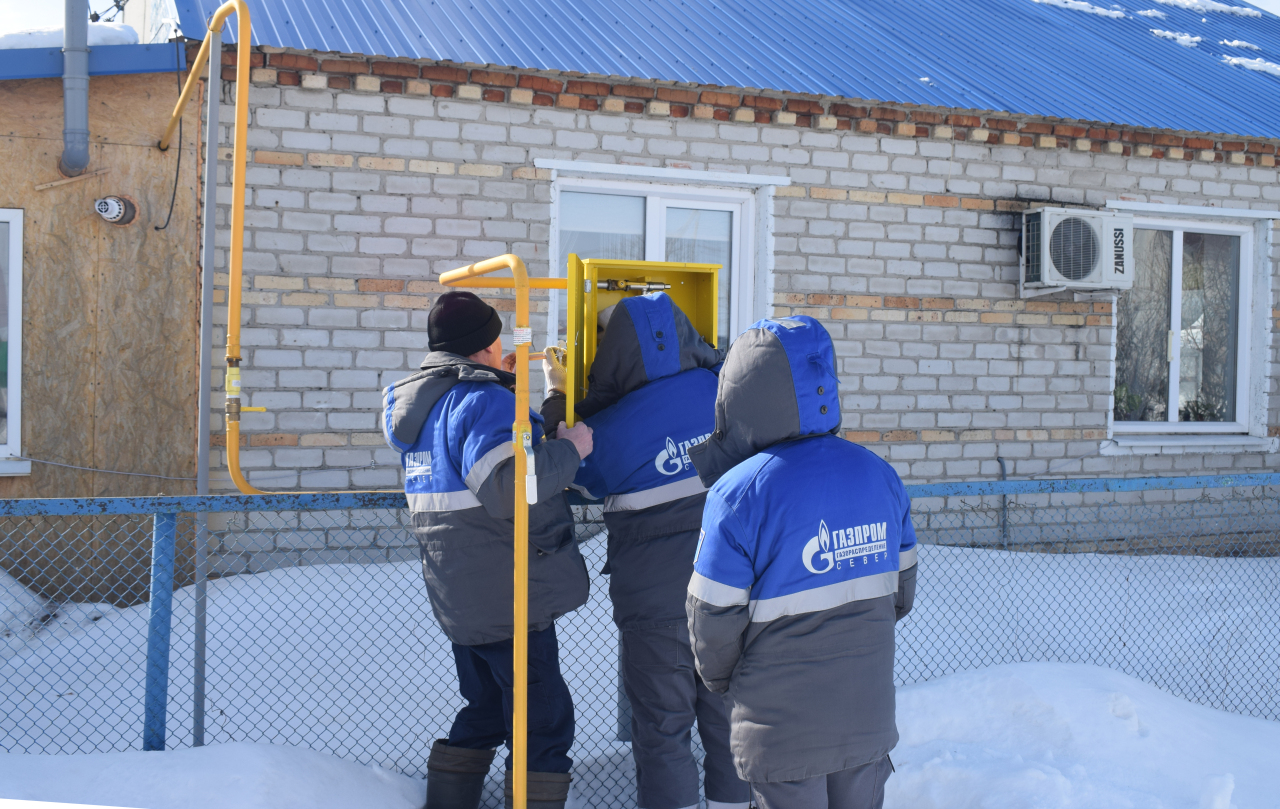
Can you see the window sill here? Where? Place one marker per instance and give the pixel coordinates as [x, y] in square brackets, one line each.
[11, 467]
[1167, 444]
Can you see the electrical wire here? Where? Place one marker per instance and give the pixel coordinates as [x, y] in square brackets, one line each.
[103, 471]
[372, 465]
[177, 172]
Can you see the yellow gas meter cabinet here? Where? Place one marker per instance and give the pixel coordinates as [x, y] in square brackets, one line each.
[594, 284]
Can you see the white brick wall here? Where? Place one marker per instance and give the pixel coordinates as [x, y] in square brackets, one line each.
[904, 246]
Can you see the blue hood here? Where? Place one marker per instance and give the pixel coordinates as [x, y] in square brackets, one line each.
[778, 384]
[648, 338]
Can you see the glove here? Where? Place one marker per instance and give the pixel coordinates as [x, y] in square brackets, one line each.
[553, 369]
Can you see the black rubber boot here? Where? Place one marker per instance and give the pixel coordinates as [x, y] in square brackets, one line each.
[547, 790]
[455, 776]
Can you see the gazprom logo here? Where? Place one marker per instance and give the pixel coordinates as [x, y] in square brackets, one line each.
[417, 464]
[833, 548]
[821, 542]
[674, 457]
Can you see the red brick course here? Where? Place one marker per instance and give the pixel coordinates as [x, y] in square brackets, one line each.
[808, 111]
[405, 70]
[344, 66]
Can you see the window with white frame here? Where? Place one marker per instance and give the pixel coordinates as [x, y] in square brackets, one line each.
[11, 343]
[1183, 332]
[651, 222]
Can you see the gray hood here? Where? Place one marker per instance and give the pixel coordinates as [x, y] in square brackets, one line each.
[410, 400]
[647, 338]
[777, 384]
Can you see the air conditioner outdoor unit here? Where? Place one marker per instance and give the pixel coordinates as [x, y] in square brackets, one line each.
[1069, 248]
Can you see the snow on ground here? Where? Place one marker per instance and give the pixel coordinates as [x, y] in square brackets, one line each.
[1064, 736]
[240, 775]
[347, 660]
[28, 621]
[1033, 735]
[100, 33]
[20, 614]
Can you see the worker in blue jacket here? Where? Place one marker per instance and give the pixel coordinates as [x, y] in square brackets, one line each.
[452, 423]
[651, 398]
[807, 560]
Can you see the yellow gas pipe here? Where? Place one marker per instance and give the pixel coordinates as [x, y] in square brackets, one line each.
[526, 493]
[236, 259]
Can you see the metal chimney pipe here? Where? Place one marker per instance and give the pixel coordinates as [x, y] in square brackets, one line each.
[75, 89]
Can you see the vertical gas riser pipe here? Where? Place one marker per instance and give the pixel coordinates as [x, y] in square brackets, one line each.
[75, 89]
[213, 89]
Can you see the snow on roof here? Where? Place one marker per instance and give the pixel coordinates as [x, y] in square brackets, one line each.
[100, 33]
[1080, 5]
[1185, 40]
[1093, 61]
[1206, 6]
[1261, 65]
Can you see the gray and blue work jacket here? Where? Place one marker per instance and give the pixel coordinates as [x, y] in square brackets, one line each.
[451, 423]
[807, 559]
[652, 398]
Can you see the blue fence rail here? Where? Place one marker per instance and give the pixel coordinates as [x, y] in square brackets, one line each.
[972, 526]
[321, 501]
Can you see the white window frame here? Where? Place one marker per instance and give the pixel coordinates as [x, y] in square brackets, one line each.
[1249, 429]
[749, 196]
[11, 462]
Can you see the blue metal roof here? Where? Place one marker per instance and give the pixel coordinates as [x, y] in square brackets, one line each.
[104, 60]
[1023, 56]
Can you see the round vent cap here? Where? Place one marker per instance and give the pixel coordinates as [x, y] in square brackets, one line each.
[1074, 249]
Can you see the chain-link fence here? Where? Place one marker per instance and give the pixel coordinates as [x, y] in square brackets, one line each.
[317, 631]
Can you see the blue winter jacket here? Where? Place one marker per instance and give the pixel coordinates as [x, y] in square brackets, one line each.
[806, 561]
[452, 424]
[652, 399]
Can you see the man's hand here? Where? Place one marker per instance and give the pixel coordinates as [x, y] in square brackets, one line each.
[579, 434]
[509, 363]
[553, 369]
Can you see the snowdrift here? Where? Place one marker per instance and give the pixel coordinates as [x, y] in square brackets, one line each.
[1069, 736]
[1042, 735]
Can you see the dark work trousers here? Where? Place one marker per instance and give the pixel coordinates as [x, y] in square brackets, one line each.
[485, 680]
[667, 696]
[854, 788]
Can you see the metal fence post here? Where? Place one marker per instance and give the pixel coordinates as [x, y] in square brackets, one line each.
[163, 539]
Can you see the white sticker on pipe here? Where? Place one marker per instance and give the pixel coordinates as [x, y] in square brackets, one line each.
[523, 336]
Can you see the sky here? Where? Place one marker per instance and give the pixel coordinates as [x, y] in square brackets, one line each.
[1267, 5]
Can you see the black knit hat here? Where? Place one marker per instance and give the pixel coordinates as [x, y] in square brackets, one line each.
[460, 323]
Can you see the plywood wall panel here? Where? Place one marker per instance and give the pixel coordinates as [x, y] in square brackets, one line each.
[110, 313]
[146, 396]
[125, 110]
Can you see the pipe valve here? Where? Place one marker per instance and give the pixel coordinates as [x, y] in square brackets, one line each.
[632, 286]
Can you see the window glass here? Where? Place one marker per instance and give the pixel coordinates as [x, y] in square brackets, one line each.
[597, 226]
[704, 237]
[601, 226]
[1142, 331]
[1210, 327]
[4, 332]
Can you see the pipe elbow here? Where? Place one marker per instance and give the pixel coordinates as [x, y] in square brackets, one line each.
[75, 154]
